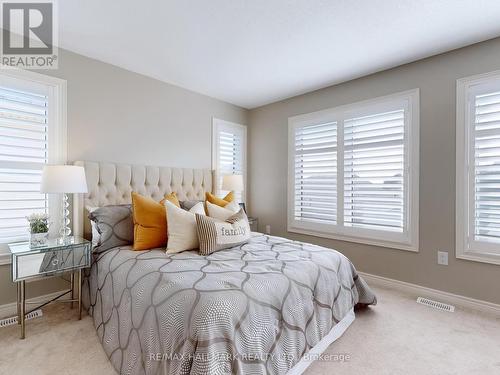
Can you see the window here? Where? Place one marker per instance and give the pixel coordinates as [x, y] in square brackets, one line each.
[353, 172]
[229, 153]
[32, 133]
[315, 180]
[478, 168]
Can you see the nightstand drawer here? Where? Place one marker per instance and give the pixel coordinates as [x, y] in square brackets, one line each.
[34, 264]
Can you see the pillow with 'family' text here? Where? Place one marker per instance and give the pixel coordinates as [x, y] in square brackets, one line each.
[215, 235]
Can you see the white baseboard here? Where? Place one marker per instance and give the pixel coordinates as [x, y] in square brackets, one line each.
[10, 309]
[417, 290]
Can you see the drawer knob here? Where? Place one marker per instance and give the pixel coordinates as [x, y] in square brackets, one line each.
[55, 262]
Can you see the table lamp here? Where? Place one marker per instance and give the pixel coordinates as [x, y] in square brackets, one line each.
[63, 179]
[233, 182]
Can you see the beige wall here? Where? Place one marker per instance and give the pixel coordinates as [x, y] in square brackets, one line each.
[436, 77]
[116, 115]
[120, 116]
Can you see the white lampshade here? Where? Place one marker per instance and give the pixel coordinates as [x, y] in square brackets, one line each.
[63, 179]
[232, 182]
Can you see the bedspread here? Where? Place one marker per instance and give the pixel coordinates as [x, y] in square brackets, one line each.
[255, 308]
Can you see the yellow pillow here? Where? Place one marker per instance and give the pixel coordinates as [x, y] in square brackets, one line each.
[172, 198]
[150, 223]
[220, 202]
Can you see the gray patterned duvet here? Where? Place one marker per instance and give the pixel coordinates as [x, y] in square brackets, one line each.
[253, 309]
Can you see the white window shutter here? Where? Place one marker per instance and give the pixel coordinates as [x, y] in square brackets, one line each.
[374, 183]
[315, 173]
[229, 153]
[486, 171]
[353, 172]
[23, 152]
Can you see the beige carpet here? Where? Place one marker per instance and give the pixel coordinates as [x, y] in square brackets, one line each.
[395, 337]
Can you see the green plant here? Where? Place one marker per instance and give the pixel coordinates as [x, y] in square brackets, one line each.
[39, 223]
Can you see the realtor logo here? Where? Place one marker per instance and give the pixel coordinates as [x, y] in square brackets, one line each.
[29, 35]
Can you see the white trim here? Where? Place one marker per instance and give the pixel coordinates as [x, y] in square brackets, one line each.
[336, 332]
[57, 92]
[417, 290]
[408, 240]
[10, 309]
[464, 247]
[477, 256]
[352, 238]
[326, 113]
[217, 125]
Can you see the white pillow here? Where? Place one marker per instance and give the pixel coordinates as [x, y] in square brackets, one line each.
[222, 213]
[181, 226]
[233, 206]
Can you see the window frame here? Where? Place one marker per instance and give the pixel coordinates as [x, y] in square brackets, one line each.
[407, 240]
[221, 125]
[464, 213]
[57, 92]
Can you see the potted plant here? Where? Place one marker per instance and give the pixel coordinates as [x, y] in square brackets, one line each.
[39, 229]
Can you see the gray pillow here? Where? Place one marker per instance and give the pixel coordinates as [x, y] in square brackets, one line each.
[187, 205]
[215, 235]
[115, 226]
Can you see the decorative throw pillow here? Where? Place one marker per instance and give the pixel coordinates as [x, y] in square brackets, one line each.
[215, 235]
[182, 234]
[114, 225]
[172, 197]
[222, 213]
[218, 201]
[150, 223]
[187, 205]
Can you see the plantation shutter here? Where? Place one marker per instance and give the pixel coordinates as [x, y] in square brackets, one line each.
[374, 183]
[486, 169]
[23, 152]
[315, 177]
[230, 153]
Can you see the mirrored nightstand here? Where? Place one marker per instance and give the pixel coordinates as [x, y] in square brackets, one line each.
[52, 259]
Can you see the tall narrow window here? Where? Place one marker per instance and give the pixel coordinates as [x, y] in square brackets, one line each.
[31, 135]
[478, 168]
[354, 172]
[229, 153]
[23, 152]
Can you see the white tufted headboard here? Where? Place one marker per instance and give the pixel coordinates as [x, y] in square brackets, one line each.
[110, 183]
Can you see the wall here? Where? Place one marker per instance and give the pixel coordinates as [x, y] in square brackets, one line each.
[436, 77]
[119, 116]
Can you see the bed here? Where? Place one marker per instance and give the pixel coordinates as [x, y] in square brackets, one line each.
[266, 307]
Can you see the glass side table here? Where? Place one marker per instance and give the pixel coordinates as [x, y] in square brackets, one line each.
[53, 259]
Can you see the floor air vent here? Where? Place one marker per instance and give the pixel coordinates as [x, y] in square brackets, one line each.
[435, 304]
[13, 320]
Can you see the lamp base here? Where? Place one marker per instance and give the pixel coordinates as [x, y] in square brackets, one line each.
[65, 230]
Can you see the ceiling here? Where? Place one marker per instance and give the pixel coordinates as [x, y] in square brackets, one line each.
[254, 52]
